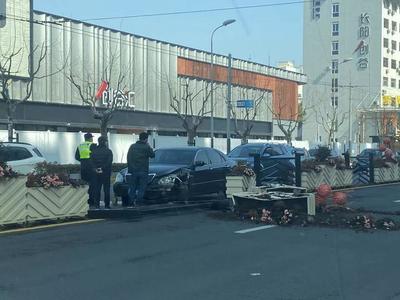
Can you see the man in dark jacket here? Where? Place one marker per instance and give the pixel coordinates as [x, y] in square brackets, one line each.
[138, 166]
[102, 158]
[83, 154]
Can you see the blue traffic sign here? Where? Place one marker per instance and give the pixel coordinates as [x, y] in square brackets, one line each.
[245, 103]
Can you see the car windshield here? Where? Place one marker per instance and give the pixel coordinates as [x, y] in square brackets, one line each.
[245, 151]
[174, 156]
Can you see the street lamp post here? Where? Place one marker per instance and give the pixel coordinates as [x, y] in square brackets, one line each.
[225, 23]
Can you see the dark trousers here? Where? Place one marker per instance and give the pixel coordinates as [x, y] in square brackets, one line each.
[88, 175]
[137, 185]
[102, 180]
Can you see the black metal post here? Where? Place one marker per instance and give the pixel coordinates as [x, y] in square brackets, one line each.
[371, 169]
[347, 159]
[257, 168]
[297, 161]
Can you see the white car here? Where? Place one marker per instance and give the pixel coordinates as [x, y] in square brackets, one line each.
[21, 157]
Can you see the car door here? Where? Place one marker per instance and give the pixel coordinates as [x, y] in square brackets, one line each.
[20, 159]
[200, 176]
[218, 169]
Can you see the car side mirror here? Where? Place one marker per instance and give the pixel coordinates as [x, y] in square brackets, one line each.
[199, 163]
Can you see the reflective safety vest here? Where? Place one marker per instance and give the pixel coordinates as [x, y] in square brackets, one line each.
[84, 150]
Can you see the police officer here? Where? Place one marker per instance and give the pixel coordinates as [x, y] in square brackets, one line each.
[102, 158]
[83, 155]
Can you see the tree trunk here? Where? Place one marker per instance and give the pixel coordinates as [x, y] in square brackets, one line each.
[10, 125]
[288, 137]
[103, 127]
[191, 134]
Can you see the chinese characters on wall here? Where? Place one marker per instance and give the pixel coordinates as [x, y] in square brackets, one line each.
[316, 9]
[363, 47]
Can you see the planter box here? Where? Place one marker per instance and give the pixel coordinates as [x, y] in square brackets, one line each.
[12, 200]
[239, 184]
[387, 174]
[247, 201]
[19, 204]
[329, 175]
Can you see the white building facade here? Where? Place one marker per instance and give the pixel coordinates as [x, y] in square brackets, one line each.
[352, 60]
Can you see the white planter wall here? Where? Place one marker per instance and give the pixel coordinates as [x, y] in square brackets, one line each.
[19, 204]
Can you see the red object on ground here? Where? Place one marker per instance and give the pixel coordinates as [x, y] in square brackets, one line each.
[102, 88]
[386, 141]
[389, 154]
[339, 198]
[324, 190]
[320, 201]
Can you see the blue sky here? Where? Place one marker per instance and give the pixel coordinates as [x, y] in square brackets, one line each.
[265, 35]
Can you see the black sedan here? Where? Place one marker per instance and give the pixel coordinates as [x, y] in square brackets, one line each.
[178, 174]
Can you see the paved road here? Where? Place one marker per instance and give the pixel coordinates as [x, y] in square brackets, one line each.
[196, 256]
[384, 198]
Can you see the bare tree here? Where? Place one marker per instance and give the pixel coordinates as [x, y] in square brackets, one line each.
[287, 116]
[87, 86]
[191, 106]
[331, 119]
[248, 115]
[9, 70]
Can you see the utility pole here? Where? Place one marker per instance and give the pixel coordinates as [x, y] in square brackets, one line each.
[229, 106]
[350, 117]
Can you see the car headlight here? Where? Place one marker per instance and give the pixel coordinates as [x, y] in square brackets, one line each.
[119, 178]
[168, 180]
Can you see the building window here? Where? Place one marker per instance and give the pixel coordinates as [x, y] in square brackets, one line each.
[394, 45]
[334, 100]
[394, 25]
[393, 83]
[335, 85]
[335, 10]
[385, 81]
[335, 29]
[335, 48]
[399, 84]
[386, 43]
[393, 64]
[386, 62]
[386, 23]
[335, 66]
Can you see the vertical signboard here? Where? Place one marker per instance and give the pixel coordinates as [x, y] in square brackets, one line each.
[2, 13]
[15, 34]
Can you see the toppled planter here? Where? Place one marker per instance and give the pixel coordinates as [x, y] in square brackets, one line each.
[21, 204]
[275, 199]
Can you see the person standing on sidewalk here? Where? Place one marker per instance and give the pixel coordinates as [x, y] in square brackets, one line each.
[83, 154]
[138, 168]
[102, 158]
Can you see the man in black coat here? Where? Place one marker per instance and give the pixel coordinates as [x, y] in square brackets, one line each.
[138, 168]
[102, 158]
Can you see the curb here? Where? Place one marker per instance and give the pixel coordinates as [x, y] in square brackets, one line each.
[139, 212]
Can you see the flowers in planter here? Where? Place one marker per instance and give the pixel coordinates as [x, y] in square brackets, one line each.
[266, 216]
[242, 170]
[286, 218]
[49, 181]
[48, 175]
[6, 171]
